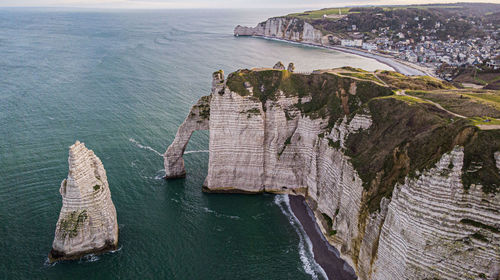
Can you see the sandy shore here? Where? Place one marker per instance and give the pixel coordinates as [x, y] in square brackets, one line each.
[325, 254]
[406, 68]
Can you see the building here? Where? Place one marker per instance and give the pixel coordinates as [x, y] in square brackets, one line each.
[352, 43]
[369, 46]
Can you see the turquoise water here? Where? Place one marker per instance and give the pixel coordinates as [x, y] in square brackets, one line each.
[122, 82]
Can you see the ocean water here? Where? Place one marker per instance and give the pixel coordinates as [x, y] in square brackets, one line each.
[122, 82]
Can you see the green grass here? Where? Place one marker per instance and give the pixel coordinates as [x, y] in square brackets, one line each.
[400, 81]
[493, 98]
[407, 99]
[362, 76]
[478, 103]
[484, 121]
[204, 107]
[420, 7]
[352, 69]
[318, 14]
[334, 144]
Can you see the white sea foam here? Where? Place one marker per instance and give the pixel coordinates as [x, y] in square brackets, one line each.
[89, 258]
[47, 263]
[309, 264]
[197, 151]
[160, 174]
[117, 250]
[160, 154]
[145, 147]
[218, 215]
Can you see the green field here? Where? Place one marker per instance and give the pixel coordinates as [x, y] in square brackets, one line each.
[422, 7]
[318, 14]
[478, 103]
[485, 121]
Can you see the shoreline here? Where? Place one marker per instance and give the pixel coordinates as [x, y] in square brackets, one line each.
[327, 256]
[405, 68]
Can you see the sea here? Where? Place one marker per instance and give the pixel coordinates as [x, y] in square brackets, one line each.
[122, 81]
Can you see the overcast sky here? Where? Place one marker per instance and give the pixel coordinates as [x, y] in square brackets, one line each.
[165, 4]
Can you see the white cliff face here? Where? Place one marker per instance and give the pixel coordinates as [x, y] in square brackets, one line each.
[87, 221]
[431, 227]
[434, 228]
[292, 29]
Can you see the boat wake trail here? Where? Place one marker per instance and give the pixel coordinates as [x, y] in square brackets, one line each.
[310, 265]
[145, 147]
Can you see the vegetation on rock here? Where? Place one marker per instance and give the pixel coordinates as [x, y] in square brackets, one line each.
[400, 81]
[469, 103]
[408, 134]
[72, 222]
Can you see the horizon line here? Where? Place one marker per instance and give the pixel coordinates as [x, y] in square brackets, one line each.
[189, 7]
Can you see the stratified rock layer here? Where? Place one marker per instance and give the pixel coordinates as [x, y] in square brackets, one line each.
[292, 29]
[87, 221]
[196, 120]
[430, 227]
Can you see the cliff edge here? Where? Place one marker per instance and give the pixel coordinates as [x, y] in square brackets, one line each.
[402, 187]
[87, 221]
[292, 29]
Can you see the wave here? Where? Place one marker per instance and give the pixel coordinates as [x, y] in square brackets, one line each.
[160, 154]
[309, 264]
[220, 215]
[89, 258]
[47, 263]
[196, 151]
[145, 147]
[160, 174]
[117, 250]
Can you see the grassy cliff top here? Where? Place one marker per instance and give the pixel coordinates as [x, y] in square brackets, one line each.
[470, 103]
[333, 93]
[399, 81]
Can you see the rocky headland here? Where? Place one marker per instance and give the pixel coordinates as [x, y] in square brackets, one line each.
[87, 221]
[404, 189]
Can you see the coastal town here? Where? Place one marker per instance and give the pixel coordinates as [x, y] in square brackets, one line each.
[429, 50]
[449, 39]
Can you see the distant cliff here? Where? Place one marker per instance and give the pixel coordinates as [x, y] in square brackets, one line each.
[87, 221]
[292, 29]
[402, 188]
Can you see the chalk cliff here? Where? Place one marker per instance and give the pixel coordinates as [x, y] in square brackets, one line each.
[399, 186]
[292, 29]
[87, 221]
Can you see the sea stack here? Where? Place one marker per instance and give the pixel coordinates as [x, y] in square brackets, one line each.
[87, 221]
